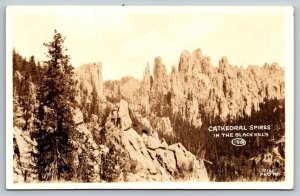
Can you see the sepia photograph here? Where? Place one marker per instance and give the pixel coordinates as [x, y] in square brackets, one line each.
[149, 97]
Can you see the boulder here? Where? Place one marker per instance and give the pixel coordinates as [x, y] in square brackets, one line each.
[130, 142]
[167, 159]
[184, 159]
[153, 143]
[154, 161]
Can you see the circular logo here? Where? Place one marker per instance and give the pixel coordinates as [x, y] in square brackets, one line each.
[238, 142]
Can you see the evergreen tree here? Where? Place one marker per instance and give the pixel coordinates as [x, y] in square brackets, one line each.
[55, 126]
[94, 106]
[26, 94]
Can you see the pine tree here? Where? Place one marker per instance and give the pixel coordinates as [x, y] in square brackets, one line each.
[94, 106]
[55, 126]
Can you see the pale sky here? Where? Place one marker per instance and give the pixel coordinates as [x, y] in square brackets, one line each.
[124, 39]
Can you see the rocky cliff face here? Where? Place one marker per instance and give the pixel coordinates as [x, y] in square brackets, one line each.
[149, 157]
[134, 157]
[24, 147]
[89, 77]
[226, 91]
[197, 89]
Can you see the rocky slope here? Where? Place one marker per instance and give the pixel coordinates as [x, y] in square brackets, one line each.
[138, 158]
[146, 157]
[150, 158]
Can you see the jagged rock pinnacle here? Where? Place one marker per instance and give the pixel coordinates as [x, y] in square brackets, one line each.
[159, 70]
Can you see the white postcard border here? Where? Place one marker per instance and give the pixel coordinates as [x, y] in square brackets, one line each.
[289, 95]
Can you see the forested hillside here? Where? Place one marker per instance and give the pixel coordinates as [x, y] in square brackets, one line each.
[66, 131]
